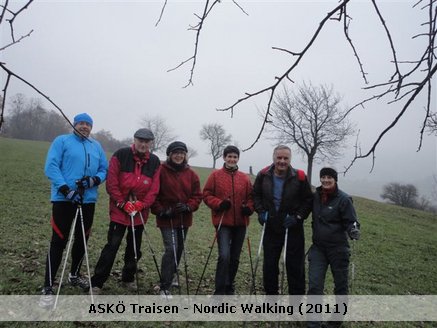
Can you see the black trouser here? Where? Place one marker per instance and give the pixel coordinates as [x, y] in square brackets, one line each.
[107, 257]
[295, 260]
[173, 241]
[319, 259]
[230, 241]
[63, 214]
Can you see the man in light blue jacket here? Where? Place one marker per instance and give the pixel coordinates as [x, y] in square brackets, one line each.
[76, 164]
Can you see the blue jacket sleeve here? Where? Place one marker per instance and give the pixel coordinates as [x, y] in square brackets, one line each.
[103, 165]
[52, 167]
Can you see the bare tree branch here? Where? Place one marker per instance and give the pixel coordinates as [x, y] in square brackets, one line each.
[12, 74]
[16, 41]
[14, 15]
[198, 28]
[162, 13]
[271, 89]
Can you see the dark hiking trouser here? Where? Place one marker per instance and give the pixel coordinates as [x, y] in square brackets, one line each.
[230, 241]
[109, 252]
[319, 259]
[295, 260]
[63, 214]
[168, 266]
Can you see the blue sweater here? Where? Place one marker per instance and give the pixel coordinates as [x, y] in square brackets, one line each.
[72, 157]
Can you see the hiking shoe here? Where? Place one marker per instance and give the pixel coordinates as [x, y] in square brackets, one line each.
[130, 285]
[96, 290]
[47, 298]
[166, 294]
[175, 282]
[79, 281]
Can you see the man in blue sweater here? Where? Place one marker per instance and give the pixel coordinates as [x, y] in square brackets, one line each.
[76, 164]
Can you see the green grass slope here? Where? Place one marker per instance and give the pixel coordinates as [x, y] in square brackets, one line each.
[397, 253]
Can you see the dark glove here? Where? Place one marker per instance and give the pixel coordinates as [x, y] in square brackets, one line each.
[246, 211]
[262, 217]
[225, 205]
[72, 195]
[354, 232]
[182, 208]
[88, 182]
[166, 214]
[290, 221]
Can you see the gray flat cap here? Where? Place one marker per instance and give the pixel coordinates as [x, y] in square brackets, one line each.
[144, 134]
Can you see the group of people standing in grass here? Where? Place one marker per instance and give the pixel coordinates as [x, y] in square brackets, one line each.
[139, 184]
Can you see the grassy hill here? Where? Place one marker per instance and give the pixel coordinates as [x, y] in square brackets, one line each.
[396, 255]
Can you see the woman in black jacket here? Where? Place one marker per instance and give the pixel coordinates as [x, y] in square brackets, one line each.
[334, 219]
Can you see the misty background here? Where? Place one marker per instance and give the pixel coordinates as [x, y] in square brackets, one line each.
[107, 58]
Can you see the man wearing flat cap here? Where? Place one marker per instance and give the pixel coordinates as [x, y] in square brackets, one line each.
[76, 164]
[132, 185]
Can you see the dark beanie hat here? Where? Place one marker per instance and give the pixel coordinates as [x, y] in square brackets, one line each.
[176, 145]
[231, 149]
[330, 172]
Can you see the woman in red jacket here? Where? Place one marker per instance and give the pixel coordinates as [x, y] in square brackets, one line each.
[179, 196]
[228, 193]
[132, 184]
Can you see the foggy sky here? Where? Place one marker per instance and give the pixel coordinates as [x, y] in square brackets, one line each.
[107, 58]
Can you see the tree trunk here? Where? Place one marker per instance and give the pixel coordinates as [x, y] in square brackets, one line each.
[310, 168]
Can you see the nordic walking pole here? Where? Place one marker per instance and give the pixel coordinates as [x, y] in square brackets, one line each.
[135, 249]
[150, 246]
[185, 258]
[250, 252]
[66, 257]
[252, 289]
[86, 252]
[210, 251]
[173, 240]
[352, 266]
[284, 260]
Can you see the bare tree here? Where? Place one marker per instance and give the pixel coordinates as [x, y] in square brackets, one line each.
[28, 119]
[191, 153]
[311, 118]
[163, 133]
[215, 134]
[410, 77]
[400, 194]
[108, 142]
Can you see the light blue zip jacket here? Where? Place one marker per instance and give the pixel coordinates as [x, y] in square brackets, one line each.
[70, 158]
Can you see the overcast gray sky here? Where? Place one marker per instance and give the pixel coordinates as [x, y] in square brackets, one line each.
[107, 58]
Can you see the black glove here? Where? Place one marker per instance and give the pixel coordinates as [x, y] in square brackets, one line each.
[263, 217]
[290, 221]
[88, 182]
[225, 205]
[166, 213]
[72, 195]
[182, 208]
[246, 211]
[354, 232]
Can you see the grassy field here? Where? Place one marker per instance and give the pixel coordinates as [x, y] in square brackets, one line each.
[396, 255]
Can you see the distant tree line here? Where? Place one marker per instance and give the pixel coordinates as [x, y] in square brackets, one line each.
[406, 195]
[29, 120]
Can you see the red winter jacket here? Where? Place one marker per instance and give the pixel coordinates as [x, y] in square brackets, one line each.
[130, 177]
[177, 186]
[233, 185]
